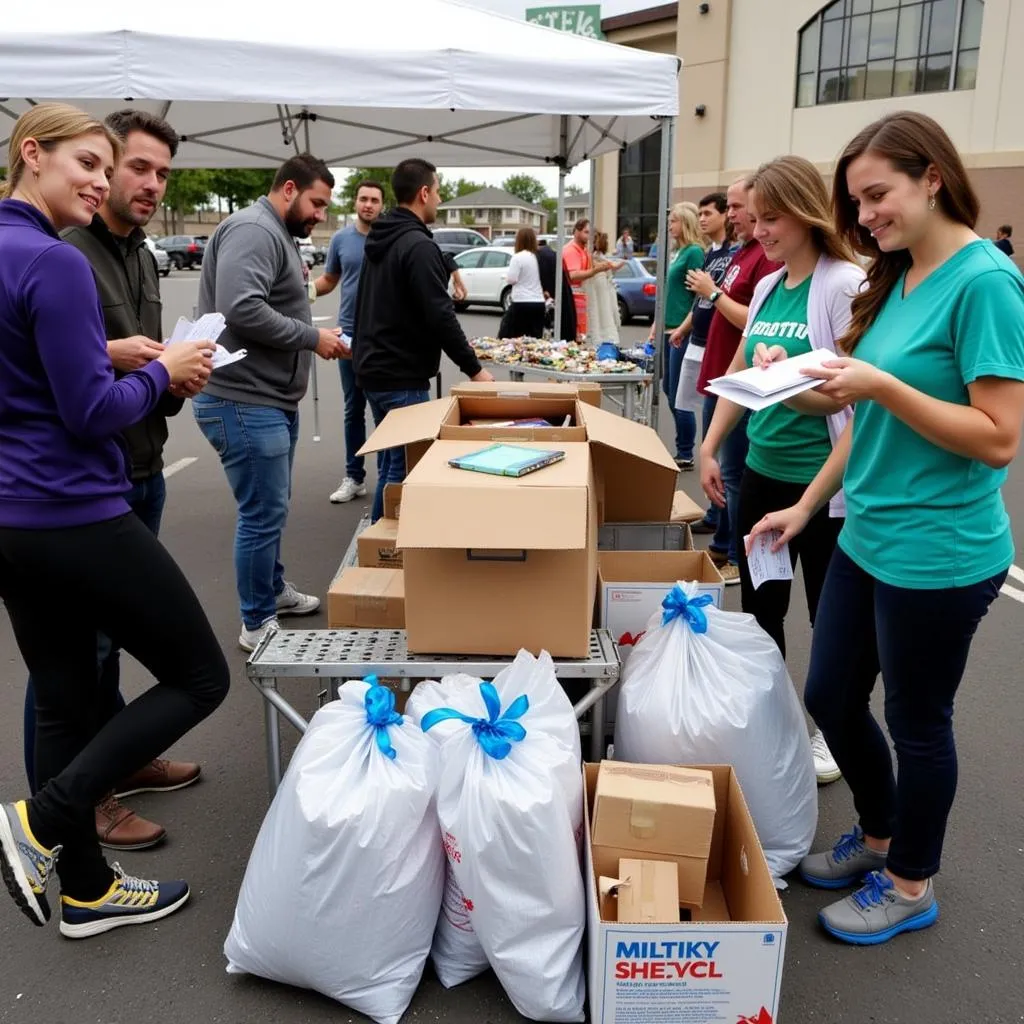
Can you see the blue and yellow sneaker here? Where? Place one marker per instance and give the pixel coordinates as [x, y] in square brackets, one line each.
[128, 901]
[26, 865]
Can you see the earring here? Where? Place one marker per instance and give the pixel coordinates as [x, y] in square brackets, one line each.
[931, 203]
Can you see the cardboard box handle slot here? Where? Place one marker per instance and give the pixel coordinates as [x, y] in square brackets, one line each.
[483, 555]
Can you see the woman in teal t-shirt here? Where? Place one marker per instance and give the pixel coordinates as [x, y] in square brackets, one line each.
[803, 306]
[938, 382]
[687, 255]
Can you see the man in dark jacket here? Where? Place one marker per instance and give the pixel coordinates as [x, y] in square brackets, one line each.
[548, 264]
[405, 317]
[129, 289]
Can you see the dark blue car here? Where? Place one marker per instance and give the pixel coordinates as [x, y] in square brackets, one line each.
[637, 288]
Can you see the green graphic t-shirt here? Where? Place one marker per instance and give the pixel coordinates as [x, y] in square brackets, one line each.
[785, 444]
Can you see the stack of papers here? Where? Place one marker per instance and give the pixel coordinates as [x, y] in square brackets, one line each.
[757, 389]
[207, 328]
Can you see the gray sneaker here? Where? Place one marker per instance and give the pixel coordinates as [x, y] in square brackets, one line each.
[845, 864]
[291, 602]
[26, 866]
[876, 912]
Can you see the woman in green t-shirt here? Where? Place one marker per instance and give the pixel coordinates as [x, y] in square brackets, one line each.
[938, 382]
[687, 254]
[804, 306]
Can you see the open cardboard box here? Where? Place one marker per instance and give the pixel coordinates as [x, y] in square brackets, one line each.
[376, 548]
[721, 965]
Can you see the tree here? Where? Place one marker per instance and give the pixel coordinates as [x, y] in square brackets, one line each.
[240, 187]
[573, 190]
[526, 187]
[350, 186]
[551, 205]
[186, 189]
[456, 189]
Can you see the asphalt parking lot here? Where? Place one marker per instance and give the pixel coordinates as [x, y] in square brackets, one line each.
[966, 970]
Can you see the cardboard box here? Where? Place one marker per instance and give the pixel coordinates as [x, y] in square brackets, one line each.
[494, 564]
[685, 509]
[586, 391]
[723, 966]
[376, 546]
[632, 585]
[657, 812]
[634, 472]
[392, 501]
[362, 598]
[647, 893]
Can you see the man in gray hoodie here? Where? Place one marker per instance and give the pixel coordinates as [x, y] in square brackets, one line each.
[253, 275]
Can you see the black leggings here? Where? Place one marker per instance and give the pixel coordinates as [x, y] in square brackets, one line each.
[61, 587]
[760, 495]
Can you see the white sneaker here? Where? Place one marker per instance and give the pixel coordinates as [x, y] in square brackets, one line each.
[348, 490]
[250, 639]
[825, 766]
[291, 602]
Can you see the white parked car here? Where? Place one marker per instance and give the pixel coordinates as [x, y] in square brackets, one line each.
[307, 250]
[484, 272]
[163, 261]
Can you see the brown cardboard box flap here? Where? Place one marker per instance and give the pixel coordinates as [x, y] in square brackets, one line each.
[450, 508]
[407, 425]
[648, 892]
[519, 389]
[392, 501]
[654, 809]
[685, 509]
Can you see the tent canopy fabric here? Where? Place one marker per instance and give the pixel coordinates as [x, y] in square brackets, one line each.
[441, 80]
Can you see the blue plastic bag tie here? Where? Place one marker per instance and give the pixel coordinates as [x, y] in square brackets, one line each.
[678, 606]
[381, 714]
[498, 731]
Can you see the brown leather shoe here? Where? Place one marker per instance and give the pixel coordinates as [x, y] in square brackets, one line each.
[159, 776]
[119, 828]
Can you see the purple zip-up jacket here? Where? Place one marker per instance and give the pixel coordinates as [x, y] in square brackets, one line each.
[61, 410]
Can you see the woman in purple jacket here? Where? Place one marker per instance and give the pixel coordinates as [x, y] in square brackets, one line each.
[65, 526]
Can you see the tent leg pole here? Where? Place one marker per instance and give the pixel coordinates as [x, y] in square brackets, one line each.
[559, 280]
[668, 125]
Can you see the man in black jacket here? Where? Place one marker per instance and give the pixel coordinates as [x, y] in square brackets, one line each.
[405, 317]
[129, 289]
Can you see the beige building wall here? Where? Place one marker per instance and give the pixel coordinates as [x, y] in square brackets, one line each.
[739, 63]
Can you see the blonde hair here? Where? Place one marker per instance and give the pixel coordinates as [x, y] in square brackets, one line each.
[50, 124]
[686, 213]
[792, 186]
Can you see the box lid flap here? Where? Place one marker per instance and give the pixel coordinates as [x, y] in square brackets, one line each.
[404, 426]
[444, 507]
[514, 389]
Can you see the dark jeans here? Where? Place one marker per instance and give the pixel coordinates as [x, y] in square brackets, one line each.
[355, 422]
[685, 421]
[813, 547]
[121, 582]
[733, 459]
[918, 640]
[391, 467]
[147, 499]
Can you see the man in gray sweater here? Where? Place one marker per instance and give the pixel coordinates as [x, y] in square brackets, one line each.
[249, 412]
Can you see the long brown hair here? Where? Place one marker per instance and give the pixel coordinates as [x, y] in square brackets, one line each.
[526, 238]
[912, 143]
[792, 186]
[50, 124]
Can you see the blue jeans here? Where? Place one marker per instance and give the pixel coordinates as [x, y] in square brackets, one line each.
[733, 460]
[355, 422]
[146, 498]
[391, 465]
[256, 445]
[919, 641]
[685, 421]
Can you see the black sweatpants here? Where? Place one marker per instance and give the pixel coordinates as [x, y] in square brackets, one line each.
[62, 587]
[813, 547]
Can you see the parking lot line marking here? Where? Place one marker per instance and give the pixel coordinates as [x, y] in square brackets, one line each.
[1017, 573]
[181, 464]
[1017, 595]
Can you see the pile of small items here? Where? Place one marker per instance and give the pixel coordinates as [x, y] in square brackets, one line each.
[563, 356]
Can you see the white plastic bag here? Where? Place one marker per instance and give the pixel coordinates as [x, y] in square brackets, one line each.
[704, 686]
[344, 882]
[510, 804]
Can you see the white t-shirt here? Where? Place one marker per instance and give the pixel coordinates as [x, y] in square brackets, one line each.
[524, 276]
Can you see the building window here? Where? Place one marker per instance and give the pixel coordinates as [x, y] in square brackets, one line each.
[639, 178]
[873, 49]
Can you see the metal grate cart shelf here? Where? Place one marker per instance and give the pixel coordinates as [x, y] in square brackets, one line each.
[332, 656]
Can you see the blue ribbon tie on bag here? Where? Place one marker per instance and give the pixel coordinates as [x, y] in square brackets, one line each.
[381, 714]
[497, 732]
[678, 606]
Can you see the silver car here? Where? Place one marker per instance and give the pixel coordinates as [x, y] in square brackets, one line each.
[163, 261]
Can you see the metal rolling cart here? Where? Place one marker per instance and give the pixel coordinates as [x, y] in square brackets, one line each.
[637, 389]
[328, 657]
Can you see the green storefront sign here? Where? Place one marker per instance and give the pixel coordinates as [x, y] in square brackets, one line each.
[583, 20]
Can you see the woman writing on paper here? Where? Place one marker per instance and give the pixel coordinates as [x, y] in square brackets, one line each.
[934, 360]
[803, 306]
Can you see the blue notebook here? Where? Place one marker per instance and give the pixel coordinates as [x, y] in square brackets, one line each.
[506, 460]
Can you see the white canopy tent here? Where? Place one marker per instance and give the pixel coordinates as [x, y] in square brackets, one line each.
[434, 79]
